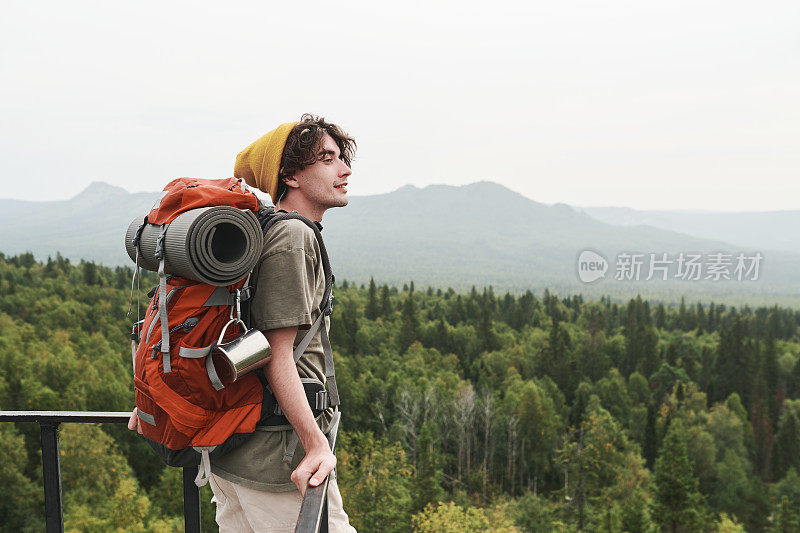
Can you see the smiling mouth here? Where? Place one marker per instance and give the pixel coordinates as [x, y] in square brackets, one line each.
[341, 186]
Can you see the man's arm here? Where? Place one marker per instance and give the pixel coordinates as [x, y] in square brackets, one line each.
[284, 380]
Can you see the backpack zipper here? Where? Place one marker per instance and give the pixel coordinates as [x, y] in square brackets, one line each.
[187, 326]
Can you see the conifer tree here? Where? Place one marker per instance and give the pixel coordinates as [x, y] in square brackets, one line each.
[409, 323]
[734, 363]
[676, 497]
[386, 302]
[556, 357]
[372, 311]
[787, 441]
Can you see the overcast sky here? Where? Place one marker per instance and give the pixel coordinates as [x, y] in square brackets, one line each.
[652, 105]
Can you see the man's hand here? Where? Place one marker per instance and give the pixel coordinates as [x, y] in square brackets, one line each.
[315, 466]
[134, 422]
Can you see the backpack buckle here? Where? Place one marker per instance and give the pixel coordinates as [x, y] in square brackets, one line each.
[139, 230]
[160, 246]
[136, 331]
[321, 400]
[160, 243]
[236, 307]
[245, 293]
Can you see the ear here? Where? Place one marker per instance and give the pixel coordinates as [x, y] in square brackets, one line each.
[290, 181]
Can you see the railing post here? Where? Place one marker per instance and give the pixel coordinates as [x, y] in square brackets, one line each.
[51, 475]
[191, 500]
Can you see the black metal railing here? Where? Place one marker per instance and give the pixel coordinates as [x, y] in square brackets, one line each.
[313, 516]
[314, 509]
[49, 422]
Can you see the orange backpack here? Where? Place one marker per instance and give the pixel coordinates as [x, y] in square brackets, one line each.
[190, 412]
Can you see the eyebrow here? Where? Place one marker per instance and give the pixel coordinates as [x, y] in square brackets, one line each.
[322, 153]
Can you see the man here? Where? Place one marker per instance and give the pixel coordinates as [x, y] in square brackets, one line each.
[304, 167]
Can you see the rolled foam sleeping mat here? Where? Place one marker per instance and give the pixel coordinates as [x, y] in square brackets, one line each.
[214, 245]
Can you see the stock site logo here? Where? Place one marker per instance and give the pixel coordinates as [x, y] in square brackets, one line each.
[591, 266]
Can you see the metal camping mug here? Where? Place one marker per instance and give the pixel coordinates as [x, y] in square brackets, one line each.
[243, 354]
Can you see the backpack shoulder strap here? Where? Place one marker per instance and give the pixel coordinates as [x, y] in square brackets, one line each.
[268, 217]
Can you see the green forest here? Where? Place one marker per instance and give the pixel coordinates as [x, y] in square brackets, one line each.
[469, 411]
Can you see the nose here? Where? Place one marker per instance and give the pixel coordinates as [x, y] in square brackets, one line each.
[344, 169]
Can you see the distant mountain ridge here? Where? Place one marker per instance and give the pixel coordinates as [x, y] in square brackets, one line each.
[440, 235]
[765, 230]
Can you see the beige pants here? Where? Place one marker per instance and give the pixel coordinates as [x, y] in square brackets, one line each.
[244, 510]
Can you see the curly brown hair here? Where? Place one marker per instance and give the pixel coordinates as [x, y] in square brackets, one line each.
[301, 147]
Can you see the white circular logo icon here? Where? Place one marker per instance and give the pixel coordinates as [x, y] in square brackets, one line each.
[591, 266]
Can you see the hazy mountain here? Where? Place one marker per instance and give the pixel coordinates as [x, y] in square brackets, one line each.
[763, 230]
[484, 233]
[478, 234]
[89, 226]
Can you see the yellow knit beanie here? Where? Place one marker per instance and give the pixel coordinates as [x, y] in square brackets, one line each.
[258, 164]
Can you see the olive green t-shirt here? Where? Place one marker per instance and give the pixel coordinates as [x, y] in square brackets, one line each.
[290, 284]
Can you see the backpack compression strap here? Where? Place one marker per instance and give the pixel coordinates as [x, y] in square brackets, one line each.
[162, 300]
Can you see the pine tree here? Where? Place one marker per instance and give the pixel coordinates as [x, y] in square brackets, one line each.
[556, 357]
[770, 372]
[735, 364]
[386, 302]
[650, 447]
[676, 497]
[372, 311]
[701, 318]
[661, 316]
[787, 440]
[485, 324]
[409, 323]
[683, 316]
[788, 519]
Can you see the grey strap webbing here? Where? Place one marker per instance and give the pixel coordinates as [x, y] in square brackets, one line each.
[195, 353]
[220, 296]
[330, 375]
[294, 439]
[212, 374]
[301, 348]
[146, 417]
[162, 301]
[204, 470]
[162, 310]
[291, 446]
[157, 320]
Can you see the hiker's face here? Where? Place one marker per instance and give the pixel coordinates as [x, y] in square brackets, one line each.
[324, 184]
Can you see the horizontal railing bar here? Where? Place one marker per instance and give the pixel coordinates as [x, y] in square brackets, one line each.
[55, 417]
[49, 422]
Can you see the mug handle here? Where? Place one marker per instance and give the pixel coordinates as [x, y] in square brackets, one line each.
[231, 321]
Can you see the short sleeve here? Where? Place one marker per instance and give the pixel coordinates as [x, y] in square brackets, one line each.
[286, 278]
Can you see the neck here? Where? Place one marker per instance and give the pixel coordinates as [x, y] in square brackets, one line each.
[296, 203]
